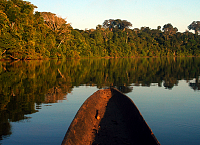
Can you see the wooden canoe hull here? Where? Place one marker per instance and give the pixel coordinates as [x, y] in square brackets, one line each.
[109, 117]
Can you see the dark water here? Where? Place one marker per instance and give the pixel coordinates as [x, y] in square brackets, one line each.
[38, 99]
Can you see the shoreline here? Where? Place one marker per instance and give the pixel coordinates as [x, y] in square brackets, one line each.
[106, 57]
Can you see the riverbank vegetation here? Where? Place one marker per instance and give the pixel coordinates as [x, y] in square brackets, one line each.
[25, 34]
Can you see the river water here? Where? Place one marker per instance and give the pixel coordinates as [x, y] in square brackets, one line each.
[39, 99]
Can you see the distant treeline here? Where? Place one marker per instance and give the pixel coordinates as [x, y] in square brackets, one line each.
[25, 34]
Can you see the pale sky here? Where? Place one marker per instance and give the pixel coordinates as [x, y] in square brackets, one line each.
[88, 14]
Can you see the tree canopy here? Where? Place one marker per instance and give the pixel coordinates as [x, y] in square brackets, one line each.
[116, 24]
[25, 34]
[195, 25]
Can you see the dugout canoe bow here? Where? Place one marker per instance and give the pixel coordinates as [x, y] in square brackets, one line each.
[109, 117]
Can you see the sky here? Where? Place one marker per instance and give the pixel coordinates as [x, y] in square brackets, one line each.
[87, 14]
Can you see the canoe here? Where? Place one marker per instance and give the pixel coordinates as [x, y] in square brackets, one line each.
[109, 117]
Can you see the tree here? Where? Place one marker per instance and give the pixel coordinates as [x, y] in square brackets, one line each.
[57, 24]
[98, 27]
[159, 27]
[19, 32]
[169, 30]
[4, 34]
[116, 24]
[195, 25]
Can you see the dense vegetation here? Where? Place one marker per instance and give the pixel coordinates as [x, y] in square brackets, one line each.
[25, 34]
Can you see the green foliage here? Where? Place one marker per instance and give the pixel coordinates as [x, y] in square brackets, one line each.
[25, 34]
[195, 25]
[116, 24]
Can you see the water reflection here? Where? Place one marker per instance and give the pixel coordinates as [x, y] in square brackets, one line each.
[26, 85]
[195, 86]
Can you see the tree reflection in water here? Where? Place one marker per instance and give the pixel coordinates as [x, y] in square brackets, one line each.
[26, 85]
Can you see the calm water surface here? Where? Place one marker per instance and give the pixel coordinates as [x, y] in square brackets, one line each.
[39, 99]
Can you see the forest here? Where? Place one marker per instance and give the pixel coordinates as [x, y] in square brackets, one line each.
[28, 34]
